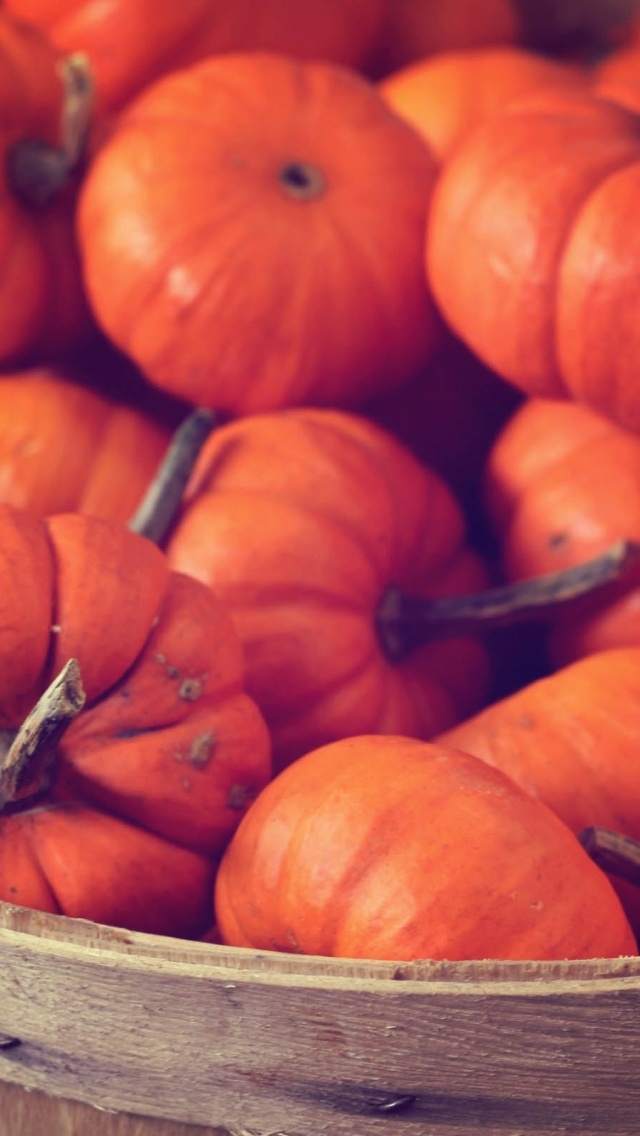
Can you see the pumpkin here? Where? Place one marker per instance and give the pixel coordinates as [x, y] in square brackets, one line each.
[252, 236]
[392, 848]
[44, 107]
[65, 447]
[561, 484]
[303, 522]
[152, 776]
[571, 740]
[133, 42]
[446, 96]
[530, 256]
[344, 564]
[417, 29]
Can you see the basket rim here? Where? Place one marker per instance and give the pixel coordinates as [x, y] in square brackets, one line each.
[105, 946]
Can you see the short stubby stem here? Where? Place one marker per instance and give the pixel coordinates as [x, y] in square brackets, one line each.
[302, 180]
[404, 622]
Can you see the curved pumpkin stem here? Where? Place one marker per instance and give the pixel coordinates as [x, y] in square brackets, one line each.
[614, 853]
[157, 510]
[26, 766]
[404, 622]
[38, 170]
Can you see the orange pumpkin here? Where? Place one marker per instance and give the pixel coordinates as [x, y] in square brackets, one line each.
[252, 236]
[303, 522]
[562, 483]
[41, 293]
[67, 448]
[133, 42]
[416, 29]
[446, 96]
[392, 848]
[153, 775]
[571, 740]
[529, 253]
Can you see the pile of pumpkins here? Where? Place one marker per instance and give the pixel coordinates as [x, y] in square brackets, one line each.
[320, 474]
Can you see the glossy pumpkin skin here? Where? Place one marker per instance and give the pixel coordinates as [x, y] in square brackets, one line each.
[390, 848]
[41, 291]
[562, 484]
[252, 236]
[169, 749]
[67, 448]
[418, 29]
[446, 96]
[300, 521]
[532, 250]
[131, 43]
[571, 740]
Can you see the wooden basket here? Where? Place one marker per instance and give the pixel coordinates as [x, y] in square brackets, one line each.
[262, 1044]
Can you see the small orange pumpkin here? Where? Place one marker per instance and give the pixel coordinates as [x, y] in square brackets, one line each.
[561, 484]
[531, 250]
[392, 848]
[44, 105]
[252, 236]
[155, 772]
[65, 447]
[303, 522]
[133, 42]
[446, 96]
[571, 740]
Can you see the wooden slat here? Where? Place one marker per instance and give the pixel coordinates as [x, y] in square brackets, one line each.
[262, 1043]
[25, 1113]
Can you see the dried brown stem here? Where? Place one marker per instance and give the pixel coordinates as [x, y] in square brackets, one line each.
[404, 622]
[158, 509]
[37, 169]
[26, 766]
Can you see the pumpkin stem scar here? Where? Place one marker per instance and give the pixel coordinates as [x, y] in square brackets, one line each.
[302, 181]
[26, 766]
[36, 169]
[404, 622]
[157, 510]
[613, 852]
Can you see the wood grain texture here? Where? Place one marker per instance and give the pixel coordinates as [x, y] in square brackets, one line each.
[248, 1042]
[27, 1113]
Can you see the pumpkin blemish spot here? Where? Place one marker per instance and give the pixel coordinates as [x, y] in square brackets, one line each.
[237, 796]
[201, 750]
[557, 540]
[190, 689]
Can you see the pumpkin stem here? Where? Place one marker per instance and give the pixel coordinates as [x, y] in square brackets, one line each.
[26, 766]
[404, 622]
[38, 170]
[613, 852]
[157, 510]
